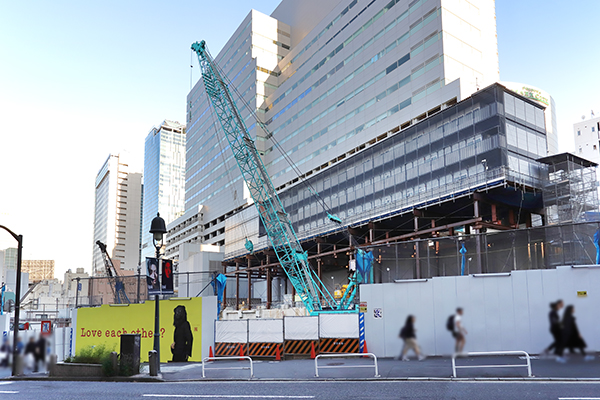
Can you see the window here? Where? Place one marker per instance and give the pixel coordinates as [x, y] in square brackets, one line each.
[593, 129]
[595, 147]
[580, 151]
[578, 132]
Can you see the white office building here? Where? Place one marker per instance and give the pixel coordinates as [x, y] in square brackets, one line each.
[329, 79]
[117, 215]
[587, 138]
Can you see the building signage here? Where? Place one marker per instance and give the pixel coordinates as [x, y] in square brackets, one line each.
[533, 94]
[363, 307]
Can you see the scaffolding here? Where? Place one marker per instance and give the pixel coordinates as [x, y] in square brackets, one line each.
[570, 189]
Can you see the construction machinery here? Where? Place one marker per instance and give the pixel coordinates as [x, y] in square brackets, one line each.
[114, 279]
[292, 258]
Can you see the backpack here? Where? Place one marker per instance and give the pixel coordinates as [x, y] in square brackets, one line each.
[450, 323]
[403, 333]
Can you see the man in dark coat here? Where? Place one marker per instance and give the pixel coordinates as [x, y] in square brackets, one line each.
[182, 337]
[40, 352]
[31, 348]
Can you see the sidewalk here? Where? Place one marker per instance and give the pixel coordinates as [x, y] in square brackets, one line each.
[434, 368]
[431, 368]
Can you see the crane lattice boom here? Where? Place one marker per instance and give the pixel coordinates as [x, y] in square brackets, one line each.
[282, 236]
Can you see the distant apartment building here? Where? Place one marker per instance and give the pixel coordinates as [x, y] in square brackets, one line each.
[164, 178]
[38, 269]
[587, 138]
[8, 261]
[117, 214]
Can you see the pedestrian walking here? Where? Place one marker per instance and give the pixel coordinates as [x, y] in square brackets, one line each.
[4, 353]
[40, 353]
[455, 325]
[571, 338]
[555, 327]
[30, 350]
[407, 333]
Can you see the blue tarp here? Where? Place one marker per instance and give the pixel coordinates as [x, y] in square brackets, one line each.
[597, 244]
[364, 266]
[463, 251]
[220, 282]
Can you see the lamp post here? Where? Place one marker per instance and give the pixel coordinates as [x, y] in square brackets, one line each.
[19, 239]
[157, 229]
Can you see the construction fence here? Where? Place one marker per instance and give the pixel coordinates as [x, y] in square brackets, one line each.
[95, 291]
[292, 336]
[543, 247]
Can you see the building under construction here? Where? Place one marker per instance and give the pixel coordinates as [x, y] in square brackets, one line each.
[466, 190]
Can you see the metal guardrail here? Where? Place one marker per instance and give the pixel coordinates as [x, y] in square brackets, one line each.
[371, 355]
[493, 353]
[251, 368]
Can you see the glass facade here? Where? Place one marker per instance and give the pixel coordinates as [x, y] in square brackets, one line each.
[488, 138]
[164, 178]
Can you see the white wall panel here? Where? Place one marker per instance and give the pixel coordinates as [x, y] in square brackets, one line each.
[301, 328]
[265, 330]
[338, 325]
[231, 331]
[500, 312]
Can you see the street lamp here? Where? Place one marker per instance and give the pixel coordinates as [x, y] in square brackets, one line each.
[19, 239]
[157, 229]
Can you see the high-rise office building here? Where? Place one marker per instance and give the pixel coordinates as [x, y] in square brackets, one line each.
[164, 178]
[38, 270]
[329, 79]
[117, 215]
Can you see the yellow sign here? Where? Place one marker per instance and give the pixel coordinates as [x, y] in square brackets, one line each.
[363, 307]
[106, 324]
[582, 293]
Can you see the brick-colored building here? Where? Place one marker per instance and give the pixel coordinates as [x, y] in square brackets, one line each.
[38, 269]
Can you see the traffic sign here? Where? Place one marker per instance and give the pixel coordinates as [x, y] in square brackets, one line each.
[46, 328]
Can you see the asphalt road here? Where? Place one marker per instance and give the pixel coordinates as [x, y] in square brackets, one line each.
[54, 390]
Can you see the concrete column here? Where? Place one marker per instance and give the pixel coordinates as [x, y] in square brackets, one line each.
[237, 287]
[269, 288]
[249, 297]
[477, 240]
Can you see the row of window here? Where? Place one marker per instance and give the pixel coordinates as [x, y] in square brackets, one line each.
[323, 31]
[416, 73]
[349, 40]
[398, 107]
[432, 62]
[402, 169]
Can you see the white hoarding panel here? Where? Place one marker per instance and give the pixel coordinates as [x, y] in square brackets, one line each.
[301, 328]
[265, 331]
[338, 325]
[231, 331]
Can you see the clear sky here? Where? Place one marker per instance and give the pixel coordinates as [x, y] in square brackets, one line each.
[82, 79]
